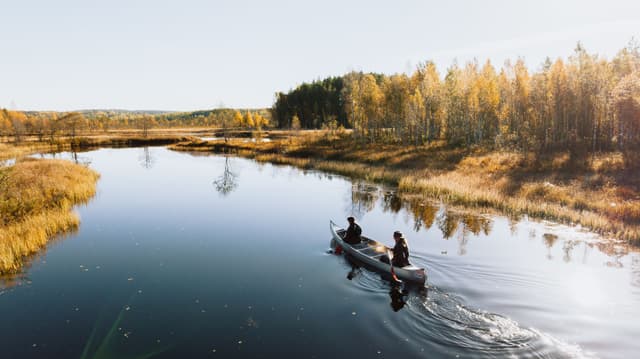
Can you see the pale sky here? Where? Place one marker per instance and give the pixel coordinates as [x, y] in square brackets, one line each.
[195, 54]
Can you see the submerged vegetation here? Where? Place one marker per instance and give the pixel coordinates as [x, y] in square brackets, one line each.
[603, 196]
[36, 200]
[109, 345]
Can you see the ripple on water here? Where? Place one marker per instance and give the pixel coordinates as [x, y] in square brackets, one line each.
[440, 321]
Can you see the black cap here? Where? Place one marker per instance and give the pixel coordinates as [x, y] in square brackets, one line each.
[398, 234]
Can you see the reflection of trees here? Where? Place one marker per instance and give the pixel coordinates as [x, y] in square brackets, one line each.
[476, 224]
[616, 251]
[363, 199]
[227, 182]
[424, 214]
[146, 159]
[391, 202]
[467, 223]
[448, 223]
[567, 248]
[549, 240]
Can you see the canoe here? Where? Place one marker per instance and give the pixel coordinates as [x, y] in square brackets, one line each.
[369, 252]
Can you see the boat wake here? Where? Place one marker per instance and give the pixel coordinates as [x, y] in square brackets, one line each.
[440, 324]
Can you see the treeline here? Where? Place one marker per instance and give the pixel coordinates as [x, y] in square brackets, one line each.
[315, 105]
[583, 104]
[47, 126]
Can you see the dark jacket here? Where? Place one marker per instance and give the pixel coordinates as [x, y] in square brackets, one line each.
[353, 234]
[401, 253]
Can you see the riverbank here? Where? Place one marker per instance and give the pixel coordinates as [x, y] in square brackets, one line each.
[36, 201]
[81, 143]
[602, 195]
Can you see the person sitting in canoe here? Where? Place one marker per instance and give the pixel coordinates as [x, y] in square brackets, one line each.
[353, 232]
[400, 251]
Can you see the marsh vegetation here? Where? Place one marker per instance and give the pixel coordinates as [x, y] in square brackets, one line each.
[36, 201]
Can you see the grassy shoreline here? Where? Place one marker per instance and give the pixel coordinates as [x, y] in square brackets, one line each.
[11, 151]
[601, 196]
[36, 201]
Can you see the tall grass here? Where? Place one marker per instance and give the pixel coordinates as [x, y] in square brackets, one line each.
[36, 200]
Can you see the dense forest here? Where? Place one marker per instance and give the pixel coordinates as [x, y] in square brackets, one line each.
[583, 104]
[315, 105]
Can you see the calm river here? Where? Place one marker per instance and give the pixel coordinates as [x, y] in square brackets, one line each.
[182, 256]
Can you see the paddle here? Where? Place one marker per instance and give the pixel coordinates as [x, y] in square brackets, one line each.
[393, 273]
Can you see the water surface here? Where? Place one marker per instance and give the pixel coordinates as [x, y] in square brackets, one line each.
[184, 255]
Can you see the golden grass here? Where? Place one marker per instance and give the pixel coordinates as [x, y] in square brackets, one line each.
[36, 200]
[602, 196]
[21, 239]
[10, 151]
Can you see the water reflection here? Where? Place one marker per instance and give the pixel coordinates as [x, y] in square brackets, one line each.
[463, 225]
[228, 181]
[364, 197]
[146, 159]
[70, 156]
[424, 214]
[362, 200]
[549, 240]
[397, 296]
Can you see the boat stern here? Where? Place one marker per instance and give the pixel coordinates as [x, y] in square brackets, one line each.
[420, 275]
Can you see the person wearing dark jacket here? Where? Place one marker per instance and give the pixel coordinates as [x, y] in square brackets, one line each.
[400, 250]
[353, 232]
